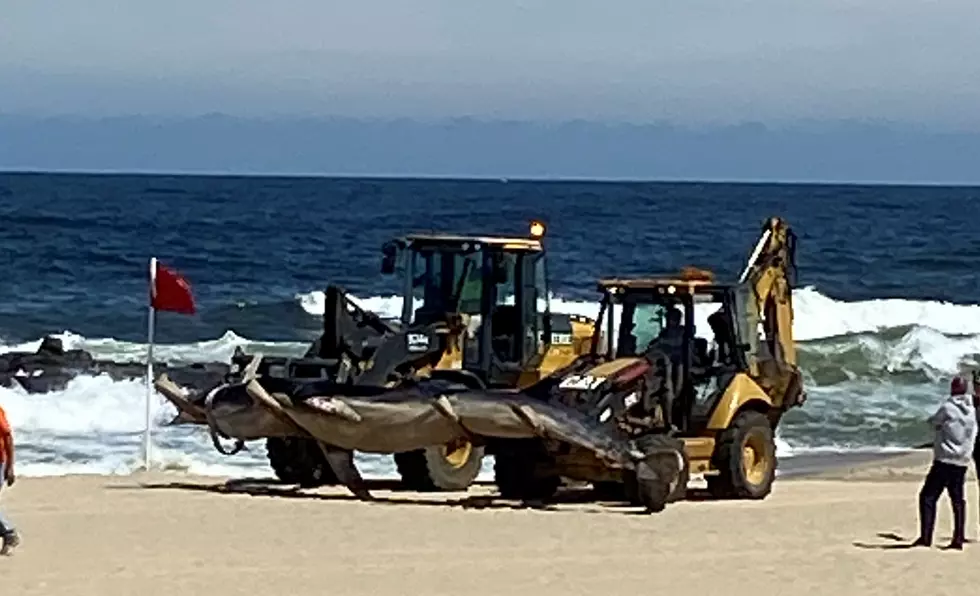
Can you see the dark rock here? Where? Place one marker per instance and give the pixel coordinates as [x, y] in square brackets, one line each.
[51, 367]
[51, 345]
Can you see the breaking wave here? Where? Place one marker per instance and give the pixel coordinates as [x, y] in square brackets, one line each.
[816, 316]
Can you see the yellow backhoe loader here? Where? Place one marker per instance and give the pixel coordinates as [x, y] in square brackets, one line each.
[476, 311]
[655, 382]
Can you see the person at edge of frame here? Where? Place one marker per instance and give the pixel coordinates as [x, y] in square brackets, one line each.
[8, 534]
[955, 427]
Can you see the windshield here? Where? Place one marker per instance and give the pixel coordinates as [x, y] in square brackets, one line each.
[445, 282]
[468, 283]
[648, 321]
[640, 324]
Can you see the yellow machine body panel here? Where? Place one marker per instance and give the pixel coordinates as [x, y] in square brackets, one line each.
[561, 352]
[740, 392]
[699, 451]
[607, 369]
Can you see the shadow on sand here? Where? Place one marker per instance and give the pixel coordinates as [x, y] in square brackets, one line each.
[260, 487]
[895, 542]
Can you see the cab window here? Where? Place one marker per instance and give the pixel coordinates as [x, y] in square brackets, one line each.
[640, 324]
[648, 322]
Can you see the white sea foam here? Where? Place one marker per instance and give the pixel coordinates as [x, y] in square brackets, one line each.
[214, 350]
[94, 425]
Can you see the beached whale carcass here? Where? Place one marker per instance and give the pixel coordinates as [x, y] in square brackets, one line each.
[372, 419]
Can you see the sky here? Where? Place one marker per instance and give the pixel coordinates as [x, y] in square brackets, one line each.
[913, 62]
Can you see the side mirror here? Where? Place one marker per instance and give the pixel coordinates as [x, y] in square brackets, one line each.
[390, 254]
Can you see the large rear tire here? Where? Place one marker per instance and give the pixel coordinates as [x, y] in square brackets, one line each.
[299, 461]
[450, 467]
[745, 457]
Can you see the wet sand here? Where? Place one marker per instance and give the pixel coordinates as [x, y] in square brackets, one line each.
[830, 529]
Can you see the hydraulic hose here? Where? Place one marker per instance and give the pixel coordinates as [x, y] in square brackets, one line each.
[213, 429]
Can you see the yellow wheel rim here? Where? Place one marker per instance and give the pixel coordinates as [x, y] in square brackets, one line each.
[457, 452]
[755, 459]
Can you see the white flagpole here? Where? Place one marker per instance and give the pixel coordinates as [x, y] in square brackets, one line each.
[151, 319]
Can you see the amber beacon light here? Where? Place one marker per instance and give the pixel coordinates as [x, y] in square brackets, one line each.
[537, 229]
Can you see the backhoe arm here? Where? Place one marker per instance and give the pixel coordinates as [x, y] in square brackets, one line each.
[771, 274]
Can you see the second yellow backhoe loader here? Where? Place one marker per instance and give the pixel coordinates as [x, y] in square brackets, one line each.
[655, 381]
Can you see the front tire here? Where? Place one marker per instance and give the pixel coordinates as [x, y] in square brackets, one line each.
[450, 467]
[299, 461]
[745, 457]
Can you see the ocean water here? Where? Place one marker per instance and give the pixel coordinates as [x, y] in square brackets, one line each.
[887, 309]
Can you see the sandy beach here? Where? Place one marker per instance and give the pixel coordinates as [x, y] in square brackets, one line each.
[833, 532]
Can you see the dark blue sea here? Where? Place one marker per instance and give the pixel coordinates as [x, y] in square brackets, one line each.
[886, 308]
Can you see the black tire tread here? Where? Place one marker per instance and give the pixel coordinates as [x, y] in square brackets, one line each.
[729, 483]
[421, 471]
[515, 477]
[299, 461]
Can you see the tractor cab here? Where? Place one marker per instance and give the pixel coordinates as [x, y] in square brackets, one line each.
[498, 284]
[689, 319]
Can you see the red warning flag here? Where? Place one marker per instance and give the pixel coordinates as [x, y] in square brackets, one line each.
[169, 290]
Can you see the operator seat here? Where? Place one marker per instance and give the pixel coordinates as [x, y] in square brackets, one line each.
[700, 358]
[505, 325]
[721, 326]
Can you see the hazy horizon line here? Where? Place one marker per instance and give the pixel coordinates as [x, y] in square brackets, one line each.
[828, 152]
[796, 124]
[163, 173]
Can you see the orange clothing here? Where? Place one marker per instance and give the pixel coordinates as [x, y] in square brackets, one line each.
[5, 435]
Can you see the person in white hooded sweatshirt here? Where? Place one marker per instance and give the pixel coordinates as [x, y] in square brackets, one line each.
[955, 424]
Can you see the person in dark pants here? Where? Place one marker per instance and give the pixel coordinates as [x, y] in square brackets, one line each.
[955, 423]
